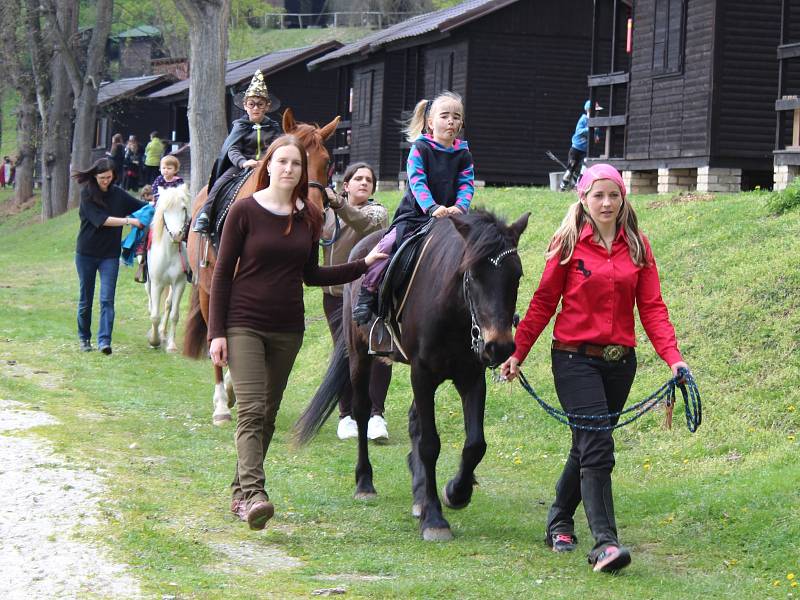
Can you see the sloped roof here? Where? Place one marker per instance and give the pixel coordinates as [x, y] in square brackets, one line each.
[239, 71]
[140, 31]
[441, 21]
[113, 91]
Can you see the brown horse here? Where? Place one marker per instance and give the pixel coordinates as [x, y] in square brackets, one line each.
[195, 344]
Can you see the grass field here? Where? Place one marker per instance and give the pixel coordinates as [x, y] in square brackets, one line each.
[247, 42]
[715, 514]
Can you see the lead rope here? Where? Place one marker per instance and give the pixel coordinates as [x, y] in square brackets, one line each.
[683, 381]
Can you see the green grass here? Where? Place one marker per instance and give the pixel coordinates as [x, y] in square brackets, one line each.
[713, 515]
[247, 42]
[10, 99]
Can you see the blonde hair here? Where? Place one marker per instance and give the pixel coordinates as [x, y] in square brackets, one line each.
[417, 124]
[146, 190]
[566, 236]
[169, 159]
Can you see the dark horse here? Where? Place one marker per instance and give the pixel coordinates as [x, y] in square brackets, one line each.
[313, 139]
[456, 322]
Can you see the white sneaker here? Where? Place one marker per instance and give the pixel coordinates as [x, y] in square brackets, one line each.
[376, 428]
[348, 428]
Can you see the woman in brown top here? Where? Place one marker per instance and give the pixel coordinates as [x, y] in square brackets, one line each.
[356, 215]
[256, 319]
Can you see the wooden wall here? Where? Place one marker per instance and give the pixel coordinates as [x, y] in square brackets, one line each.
[528, 65]
[747, 76]
[367, 117]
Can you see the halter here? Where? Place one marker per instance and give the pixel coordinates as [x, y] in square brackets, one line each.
[477, 342]
[181, 235]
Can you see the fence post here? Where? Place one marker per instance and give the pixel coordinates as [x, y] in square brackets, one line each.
[335, 20]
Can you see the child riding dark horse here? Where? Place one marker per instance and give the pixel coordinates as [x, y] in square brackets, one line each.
[245, 145]
[440, 184]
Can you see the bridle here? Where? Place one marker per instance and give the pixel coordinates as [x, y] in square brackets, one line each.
[477, 342]
[337, 225]
[180, 235]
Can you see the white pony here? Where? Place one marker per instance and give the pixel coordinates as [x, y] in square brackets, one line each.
[167, 264]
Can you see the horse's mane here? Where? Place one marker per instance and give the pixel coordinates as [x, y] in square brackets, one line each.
[168, 199]
[307, 134]
[453, 253]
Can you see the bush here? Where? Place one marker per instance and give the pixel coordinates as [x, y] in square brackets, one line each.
[788, 199]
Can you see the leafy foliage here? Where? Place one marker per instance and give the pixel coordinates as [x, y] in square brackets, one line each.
[785, 200]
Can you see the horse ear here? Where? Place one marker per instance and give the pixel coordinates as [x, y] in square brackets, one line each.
[289, 124]
[518, 226]
[330, 128]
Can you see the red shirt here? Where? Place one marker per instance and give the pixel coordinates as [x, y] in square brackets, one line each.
[597, 293]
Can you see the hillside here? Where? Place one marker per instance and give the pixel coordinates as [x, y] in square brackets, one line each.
[713, 514]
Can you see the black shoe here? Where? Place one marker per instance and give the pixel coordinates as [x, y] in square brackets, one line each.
[105, 349]
[365, 307]
[611, 559]
[562, 542]
[86, 346]
[201, 223]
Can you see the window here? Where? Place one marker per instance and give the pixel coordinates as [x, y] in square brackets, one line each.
[669, 31]
[443, 73]
[363, 99]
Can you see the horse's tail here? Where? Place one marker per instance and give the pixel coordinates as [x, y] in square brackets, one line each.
[194, 339]
[327, 397]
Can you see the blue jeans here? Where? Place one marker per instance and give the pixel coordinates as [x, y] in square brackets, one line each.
[88, 267]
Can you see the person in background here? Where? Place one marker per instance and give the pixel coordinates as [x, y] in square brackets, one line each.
[358, 216]
[168, 176]
[579, 147]
[599, 265]
[103, 212]
[117, 155]
[152, 158]
[132, 164]
[7, 172]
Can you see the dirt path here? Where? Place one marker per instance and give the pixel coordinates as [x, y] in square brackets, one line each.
[45, 505]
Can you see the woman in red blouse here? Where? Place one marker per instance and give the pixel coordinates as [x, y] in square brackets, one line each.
[599, 265]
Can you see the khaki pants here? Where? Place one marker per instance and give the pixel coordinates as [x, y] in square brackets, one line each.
[260, 364]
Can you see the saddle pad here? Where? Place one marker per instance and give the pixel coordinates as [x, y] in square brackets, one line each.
[400, 268]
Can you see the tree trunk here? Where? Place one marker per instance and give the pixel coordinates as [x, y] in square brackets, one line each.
[86, 96]
[208, 38]
[55, 143]
[26, 144]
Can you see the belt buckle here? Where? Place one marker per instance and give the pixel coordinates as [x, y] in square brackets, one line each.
[613, 353]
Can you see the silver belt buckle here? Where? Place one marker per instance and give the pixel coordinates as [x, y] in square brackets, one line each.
[613, 353]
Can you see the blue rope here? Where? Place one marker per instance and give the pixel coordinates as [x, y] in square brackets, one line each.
[666, 393]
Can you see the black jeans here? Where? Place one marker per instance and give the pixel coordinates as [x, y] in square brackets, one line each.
[380, 376]
[592, 386]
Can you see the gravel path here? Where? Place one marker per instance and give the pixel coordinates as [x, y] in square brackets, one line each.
[44, 506]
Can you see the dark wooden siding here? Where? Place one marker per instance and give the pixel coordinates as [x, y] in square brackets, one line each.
[747, 80]
[668, 116]
[367, 118]
[391, 154]
[528, 65]
[311, 95]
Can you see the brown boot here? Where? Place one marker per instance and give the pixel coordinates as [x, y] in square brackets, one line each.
[259, 513]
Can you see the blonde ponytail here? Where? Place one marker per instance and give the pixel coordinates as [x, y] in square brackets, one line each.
[416, 124]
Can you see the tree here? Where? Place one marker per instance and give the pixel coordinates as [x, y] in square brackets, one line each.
[208, 41]
[54, 102]
[20, 77]
[85, 81]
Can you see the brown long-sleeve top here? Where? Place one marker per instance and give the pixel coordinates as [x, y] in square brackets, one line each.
[266, 293]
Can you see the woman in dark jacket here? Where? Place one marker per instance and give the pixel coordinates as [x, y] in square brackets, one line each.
[103, 212]
[117, 155]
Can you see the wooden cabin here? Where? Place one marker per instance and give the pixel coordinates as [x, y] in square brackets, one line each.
[311, 95]
[520, 66]
[787, 105]
[688, 87]
[121, 109]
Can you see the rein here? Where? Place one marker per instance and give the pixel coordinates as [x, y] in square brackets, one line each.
[683, 381]
[477, 342]
[181, 235]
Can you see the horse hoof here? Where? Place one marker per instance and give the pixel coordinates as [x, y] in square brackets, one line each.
[365, 495]
[231, 401]
[172, 349]
[437, 534]
[416, 510]
[219, 420]
[446, 501]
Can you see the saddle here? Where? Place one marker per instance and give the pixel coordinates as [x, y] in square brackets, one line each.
[393, 289]
[226, 194]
